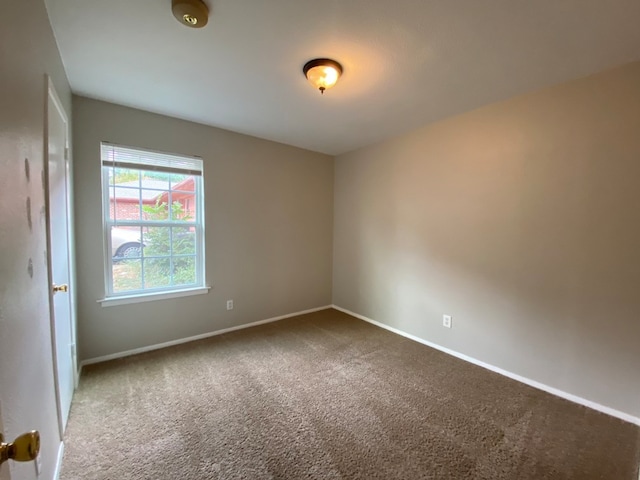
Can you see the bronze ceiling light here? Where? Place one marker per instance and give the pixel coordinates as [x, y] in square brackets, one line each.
[192, 13]
[322, 73]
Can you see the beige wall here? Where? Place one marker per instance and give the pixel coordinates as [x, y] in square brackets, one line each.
[27, 52]
[520, 219]
[269, 217]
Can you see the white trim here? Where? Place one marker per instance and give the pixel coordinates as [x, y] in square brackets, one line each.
[149, 297]
[171, 343]
[532, 383]
[56, 472]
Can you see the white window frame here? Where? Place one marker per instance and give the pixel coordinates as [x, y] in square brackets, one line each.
[152, 161]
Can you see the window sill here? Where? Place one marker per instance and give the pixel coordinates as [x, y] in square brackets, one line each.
[150, 297]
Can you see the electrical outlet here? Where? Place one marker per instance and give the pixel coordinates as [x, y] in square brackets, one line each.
[229, 304]
[446, 321]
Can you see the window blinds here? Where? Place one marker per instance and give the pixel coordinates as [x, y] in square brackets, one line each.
[117, 156]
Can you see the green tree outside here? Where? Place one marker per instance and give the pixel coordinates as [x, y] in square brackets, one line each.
[174, 248]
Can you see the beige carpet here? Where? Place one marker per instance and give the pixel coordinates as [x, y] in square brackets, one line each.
[327, 396]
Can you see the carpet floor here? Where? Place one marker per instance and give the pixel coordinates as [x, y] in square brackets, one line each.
[327, 396]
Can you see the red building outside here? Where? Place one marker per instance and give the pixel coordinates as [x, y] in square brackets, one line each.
[126, 199]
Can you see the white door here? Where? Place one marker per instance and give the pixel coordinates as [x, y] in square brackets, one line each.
[59, 255]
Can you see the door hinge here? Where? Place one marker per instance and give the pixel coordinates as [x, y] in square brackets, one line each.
[66, 153]
[73, 349]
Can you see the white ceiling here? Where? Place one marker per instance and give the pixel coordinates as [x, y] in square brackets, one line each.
[406, 62]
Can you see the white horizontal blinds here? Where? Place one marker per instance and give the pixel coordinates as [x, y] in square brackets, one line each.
[117, 156]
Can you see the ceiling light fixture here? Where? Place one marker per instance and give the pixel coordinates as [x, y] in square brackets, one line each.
[322, 73]
[192, 13]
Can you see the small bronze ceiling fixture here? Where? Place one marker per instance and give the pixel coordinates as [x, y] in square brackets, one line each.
[192, 13]
[322, 73]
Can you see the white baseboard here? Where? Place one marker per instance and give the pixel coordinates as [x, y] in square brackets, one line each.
[532, 383]
[56, 473]
[171, 343]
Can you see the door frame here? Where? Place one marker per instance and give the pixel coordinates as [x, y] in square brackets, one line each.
[51, 93]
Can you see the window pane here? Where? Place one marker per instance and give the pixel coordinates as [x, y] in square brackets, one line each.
[179, 181]
[157, 272]
[124, 176]
[183, 209]
[125, 243]
[157, 241]
[127, 275]
[124, 193]
[155, 204]
[183, 197]
[184, 270]
[184, 241]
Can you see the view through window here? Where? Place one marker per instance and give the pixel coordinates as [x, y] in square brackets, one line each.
[153, 221]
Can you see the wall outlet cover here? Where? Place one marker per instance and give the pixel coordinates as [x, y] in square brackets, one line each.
[446, 321]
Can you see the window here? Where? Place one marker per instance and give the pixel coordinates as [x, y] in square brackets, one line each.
[153, 216]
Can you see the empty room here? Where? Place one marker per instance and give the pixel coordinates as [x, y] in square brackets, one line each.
[319, 240]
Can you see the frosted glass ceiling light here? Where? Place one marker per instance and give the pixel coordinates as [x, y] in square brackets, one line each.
[322, 73]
